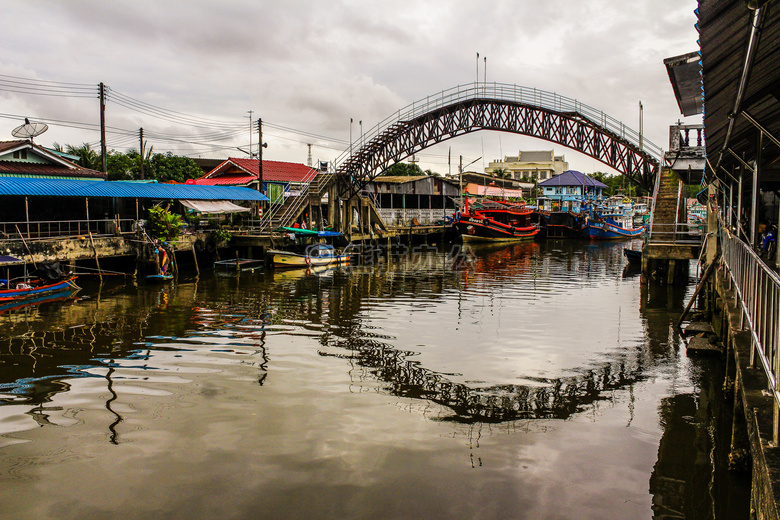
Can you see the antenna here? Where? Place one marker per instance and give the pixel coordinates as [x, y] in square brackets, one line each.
[308, 160]
[29, 130]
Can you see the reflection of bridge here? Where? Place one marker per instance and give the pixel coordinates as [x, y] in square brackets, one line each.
[550, 399]
[510, 108]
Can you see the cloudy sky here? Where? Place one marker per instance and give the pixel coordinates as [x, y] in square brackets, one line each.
[189, 72]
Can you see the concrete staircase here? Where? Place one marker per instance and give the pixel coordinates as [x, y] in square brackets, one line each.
[667, 205]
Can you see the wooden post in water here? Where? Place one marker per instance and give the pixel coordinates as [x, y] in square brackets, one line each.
[195, 258]
[97, 261]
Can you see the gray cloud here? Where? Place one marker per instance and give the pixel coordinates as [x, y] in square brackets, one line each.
[314, 65]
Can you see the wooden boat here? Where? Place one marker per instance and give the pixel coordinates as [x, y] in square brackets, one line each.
[315, 255]
[494, 221]
[560, 224]
[47, 278]
[610, 227]
[33, 287]
[35, 300]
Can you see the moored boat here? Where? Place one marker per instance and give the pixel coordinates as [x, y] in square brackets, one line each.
[610, 227]
[47, 278]
[493, 221]
[314, 255]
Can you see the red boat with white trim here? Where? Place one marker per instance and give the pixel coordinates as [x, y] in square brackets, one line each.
[494, 221]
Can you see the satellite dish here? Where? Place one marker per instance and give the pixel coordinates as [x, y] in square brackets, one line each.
[29, 130]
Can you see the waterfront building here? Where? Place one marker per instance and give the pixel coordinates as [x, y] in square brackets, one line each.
[23, 158]
[489, 179]
[403, 200]
[530, 165]
[280, 179]
[565, 191]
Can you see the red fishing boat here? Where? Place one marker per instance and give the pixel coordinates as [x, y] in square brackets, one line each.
[494, 221]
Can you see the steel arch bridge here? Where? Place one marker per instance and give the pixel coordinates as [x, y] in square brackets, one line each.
[504, 107]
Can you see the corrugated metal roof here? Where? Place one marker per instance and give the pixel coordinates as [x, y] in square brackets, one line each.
[725, 27]
[121, 189]
[572, 178]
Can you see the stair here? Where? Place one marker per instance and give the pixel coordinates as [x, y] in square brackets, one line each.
[666, 205]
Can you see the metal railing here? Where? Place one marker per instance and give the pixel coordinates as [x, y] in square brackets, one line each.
[282, 214]
[758, 296]
[52, 229]
[405, 217]
[676, 234]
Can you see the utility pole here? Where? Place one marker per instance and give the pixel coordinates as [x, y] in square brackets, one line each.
[260, 146]
[460, 176]
[640, 125]
[103, 151]
[250, 134]
[141, 150]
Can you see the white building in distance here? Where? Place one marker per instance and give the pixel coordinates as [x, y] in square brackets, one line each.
[530, 166]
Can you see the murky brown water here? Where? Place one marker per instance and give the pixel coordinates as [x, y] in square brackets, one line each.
[534, 381]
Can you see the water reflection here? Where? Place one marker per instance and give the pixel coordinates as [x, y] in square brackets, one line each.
[512, 358]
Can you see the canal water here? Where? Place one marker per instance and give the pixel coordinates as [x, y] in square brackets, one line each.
[533, 381]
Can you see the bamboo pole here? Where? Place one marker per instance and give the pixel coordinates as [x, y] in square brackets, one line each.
[26, 246]
[97, 260]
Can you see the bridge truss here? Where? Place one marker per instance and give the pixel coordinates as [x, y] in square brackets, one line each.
[509, 108]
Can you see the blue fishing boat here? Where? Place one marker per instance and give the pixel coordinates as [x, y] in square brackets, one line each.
[610, 227]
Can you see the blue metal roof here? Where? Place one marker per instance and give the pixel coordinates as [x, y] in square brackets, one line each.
[122, 189]
[572, 178]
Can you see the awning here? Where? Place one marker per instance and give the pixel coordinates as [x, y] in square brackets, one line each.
[211, 207]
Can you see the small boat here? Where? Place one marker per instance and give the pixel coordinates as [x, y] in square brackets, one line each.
[315, 255]
[610, 227]
[47, 278]
[35, 300]
[632, 255]
[494, 221]
[159, 278]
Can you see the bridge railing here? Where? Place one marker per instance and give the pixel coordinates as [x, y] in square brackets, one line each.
[503, 92]
[758, 296]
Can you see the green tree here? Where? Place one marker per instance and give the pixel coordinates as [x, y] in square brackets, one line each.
[88, 158]
[169, 167]
[502, 173]
[121, 167]
[163, 224]
[404, 170]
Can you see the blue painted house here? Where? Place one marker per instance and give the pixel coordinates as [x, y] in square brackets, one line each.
[565, 191]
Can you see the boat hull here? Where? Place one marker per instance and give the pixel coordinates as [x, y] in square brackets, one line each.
[607, 231]
[561, 224]
[287, 259]
[7, 295]
[483, 230]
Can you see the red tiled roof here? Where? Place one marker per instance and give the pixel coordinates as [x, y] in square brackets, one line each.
[7, 145]
[230, 179]
[275, 171]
